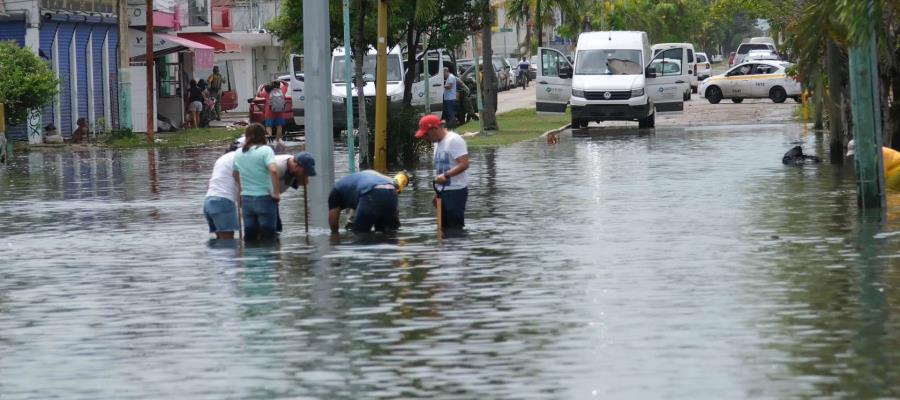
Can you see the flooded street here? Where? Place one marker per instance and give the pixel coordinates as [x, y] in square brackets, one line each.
[680, 263]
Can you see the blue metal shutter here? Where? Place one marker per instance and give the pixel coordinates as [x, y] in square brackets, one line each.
[13, 30]
[66, 32]
[82, 35]
[97, 80]
[47, 33]
[113, 44]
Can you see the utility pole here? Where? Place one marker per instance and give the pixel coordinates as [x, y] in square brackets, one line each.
[124, 97]
[381, 104]
[478, 101]
[151, 113]
[351, 142]
[865, 107]
[319, 124]
[427, 65]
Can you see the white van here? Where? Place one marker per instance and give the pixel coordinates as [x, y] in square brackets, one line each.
[612, 80]
[395, 89]
[690, 72]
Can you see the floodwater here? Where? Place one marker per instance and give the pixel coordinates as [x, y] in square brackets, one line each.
[618, 264]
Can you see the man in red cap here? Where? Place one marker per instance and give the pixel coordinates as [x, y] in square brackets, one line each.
[451, 165]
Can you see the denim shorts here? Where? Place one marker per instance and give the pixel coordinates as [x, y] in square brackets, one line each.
[275, 122]
[260, 215]
[221, 214]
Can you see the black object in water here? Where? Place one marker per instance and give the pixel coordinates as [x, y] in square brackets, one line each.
[795, 156]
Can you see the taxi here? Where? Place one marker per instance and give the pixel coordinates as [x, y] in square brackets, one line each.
[752, 80]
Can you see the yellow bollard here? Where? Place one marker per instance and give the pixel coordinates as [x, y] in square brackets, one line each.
[2, 119]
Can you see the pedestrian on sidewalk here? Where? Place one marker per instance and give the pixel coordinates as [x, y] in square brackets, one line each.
[451, 165]
[215, 91]
[196, 99]
[276, 105]
[372, 195]
[449, 105]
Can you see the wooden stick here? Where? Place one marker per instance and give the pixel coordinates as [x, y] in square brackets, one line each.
[240, 221]
[305, 209]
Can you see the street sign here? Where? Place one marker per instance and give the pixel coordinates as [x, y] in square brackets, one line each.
[506, 30]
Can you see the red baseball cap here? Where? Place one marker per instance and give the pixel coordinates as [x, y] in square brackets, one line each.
[427, 122]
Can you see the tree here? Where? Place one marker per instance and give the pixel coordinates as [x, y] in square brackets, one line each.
[489, 114]
[26, 82]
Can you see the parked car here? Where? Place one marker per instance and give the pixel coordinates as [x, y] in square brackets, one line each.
[504, 73]
[468, 77]
[258, 104]
[758, 79]
[704, 68]
[745, 48]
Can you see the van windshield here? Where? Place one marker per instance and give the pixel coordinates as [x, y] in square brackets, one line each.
[608, 62]
[394, 73]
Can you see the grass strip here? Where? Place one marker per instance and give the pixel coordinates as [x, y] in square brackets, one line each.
[181, 139]
[515, 126]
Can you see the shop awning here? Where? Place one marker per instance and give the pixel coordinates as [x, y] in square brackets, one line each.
[164, 44]
[219, 43]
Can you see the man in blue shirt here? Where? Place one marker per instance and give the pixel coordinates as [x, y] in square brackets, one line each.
[449, 115]
[372, 195]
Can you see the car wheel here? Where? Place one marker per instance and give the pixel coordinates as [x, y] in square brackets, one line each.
[693, 89]
[797, 99]
[686, 96]
[714, 94]
[777, 94]
[737, 100]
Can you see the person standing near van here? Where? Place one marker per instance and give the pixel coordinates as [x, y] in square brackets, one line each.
[449, 114]
[215, 91]
[276, 105]
[256, 176]
[451, 165]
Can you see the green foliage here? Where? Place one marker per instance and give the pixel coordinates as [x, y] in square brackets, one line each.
[515, 126]
[26, 81]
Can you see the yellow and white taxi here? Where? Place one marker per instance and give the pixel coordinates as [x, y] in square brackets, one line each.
[756, 79]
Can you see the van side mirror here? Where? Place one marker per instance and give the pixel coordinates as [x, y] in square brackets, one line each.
[651, 72]
[565, 72]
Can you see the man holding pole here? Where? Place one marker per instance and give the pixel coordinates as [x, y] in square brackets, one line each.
[451, 165]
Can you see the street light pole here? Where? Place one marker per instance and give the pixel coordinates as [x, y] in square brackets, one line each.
[319, 124]
[478, 102]
[151, 113]
[381, 90]
[865, 108]
[351, 141]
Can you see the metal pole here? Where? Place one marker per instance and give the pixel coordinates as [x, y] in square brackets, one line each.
[124, 97]
[867, 136]
[427, 65]
[319, 124]
[381, 104]
[480, 103]
[351, 141]
[151, 113]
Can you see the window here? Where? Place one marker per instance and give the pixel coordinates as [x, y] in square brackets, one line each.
[298, 66]
[394, 73]
[668, 62]
[198, 12]
[550, 62]
[609, 62]
[741, 70]
[691, 56]
[763, 69]
[701, 58]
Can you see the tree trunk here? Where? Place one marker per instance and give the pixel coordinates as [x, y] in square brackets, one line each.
[365, 160]
[818, 103]
[835, 101]
[489, 115]
[539, 23]
[412, 43]
[892, 114]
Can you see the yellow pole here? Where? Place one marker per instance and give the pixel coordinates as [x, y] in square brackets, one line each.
[381, 104]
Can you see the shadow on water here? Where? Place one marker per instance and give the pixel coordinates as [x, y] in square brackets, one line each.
[622, 263]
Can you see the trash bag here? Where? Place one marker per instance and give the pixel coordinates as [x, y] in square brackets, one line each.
[164, 124]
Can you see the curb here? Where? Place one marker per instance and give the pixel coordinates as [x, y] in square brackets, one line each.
[557, 130]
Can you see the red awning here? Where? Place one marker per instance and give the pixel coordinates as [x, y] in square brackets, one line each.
[220, 44]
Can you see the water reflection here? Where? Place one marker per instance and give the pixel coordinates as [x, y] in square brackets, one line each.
[675, 263]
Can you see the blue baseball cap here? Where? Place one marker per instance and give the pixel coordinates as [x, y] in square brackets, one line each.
[307, 162]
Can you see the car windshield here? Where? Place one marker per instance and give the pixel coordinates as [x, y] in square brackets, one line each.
[394, 73]
[609, 62]
[701, 58]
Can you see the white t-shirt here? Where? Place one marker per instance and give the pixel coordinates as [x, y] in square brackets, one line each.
[446, 152]
[221, 183]
[285, 178]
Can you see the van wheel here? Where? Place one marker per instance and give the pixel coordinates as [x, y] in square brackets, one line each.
[737, 100]
[714, 94]
[686, 96]
[777, 94]
[693, 89]
[797, 99]
[648, 122]
[578, 124]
